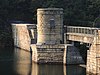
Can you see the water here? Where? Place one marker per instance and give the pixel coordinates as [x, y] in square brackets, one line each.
[18, 62]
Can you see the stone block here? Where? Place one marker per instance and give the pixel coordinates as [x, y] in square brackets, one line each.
[48, 54]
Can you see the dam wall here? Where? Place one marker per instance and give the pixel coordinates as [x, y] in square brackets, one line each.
[22, 35]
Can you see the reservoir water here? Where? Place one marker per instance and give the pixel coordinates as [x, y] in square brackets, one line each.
[18, 62]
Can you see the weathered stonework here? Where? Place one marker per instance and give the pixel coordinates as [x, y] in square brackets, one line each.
[49, 47]
[93, 56]
[91, 59]
[22, 35]
[48, 53]
[46, 39]
[50, 26]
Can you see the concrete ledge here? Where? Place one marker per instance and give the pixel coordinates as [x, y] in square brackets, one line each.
[51, 46]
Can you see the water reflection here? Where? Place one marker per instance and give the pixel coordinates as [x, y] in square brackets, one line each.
[6, 61]
[24, 66]
[74, 70]
[22, 62]
[47, 69]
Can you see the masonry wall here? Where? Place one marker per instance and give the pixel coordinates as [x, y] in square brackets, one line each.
[91, 59]
[50, 25]
[22, 35]
[93, 56]
[48, 54]
[98, 53]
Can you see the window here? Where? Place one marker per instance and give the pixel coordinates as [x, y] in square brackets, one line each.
[52, 23]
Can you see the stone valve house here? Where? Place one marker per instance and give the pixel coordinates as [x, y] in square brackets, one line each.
[46, 38]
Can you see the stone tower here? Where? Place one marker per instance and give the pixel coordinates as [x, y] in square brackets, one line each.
[50, 26]
[49, 47]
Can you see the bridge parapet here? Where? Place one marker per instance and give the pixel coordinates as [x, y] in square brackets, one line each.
[81, 34]
[87, 35]
[83, 30]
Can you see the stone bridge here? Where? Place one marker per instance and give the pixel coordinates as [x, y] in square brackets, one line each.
[91, 36]
[81, 34]
[48, 44]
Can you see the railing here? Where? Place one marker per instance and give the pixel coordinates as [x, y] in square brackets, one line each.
[82, 30]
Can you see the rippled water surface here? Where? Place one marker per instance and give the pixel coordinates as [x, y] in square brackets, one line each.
[18, 62]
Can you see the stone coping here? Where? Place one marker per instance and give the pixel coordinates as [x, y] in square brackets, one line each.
[42, 9]
[22, 24]
[52, 46]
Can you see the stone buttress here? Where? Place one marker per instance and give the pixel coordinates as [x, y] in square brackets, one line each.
[93, 55]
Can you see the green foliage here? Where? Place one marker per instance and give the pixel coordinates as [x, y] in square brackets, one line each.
[76, 12]
[80, 12]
